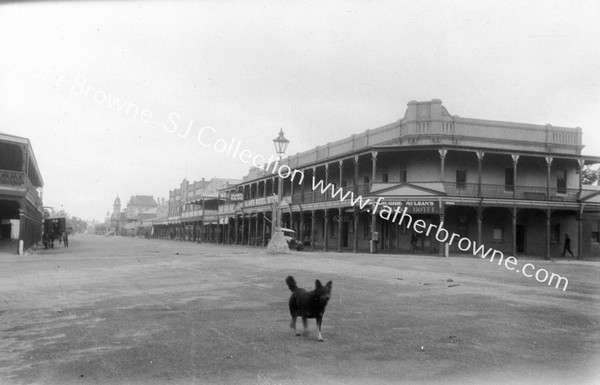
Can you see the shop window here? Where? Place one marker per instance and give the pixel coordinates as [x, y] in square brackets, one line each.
[509, 180]
[595, 236]
[561, 181]
[555, 233]
[366, 180]
[384, 177]
[498, 234]
[461, 178]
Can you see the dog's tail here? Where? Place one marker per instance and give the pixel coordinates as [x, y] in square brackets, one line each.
[291, 282]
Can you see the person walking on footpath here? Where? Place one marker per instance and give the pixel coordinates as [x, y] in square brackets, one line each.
[567, 246]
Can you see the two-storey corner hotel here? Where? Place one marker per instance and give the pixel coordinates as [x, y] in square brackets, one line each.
[512, 186]
[21, 211]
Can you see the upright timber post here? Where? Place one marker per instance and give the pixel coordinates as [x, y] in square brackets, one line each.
[548, 217]
[548, 169]
[580, 233]
[355, 208]
[479, 222]
[514, 231]
[312, 229]
[480, 155]
[442, 245]
[326, 229]
[340, 223]
[442, 153]
[515, 159]
[374, 170]
[373, 218]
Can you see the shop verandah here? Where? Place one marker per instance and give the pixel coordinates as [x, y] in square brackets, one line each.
[349, 228]
[529, 229]
[515, 228]
[329, 229]
[252, 229]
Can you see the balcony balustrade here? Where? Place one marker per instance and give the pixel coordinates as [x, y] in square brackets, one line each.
[227, 208]
[191, 213]
[500, 191]
[20, 179]
[197, 213]
[452, 189]
[12, 178]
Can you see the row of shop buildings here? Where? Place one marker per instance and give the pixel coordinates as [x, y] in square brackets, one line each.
[143, 215]
[515, 187]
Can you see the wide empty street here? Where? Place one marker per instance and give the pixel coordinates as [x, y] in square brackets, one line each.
[113, 310]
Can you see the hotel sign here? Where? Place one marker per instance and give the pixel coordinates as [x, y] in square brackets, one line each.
[236, 197]
[415, 206]
[260, 201]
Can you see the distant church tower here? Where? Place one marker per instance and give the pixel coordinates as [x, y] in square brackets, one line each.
[117, 208]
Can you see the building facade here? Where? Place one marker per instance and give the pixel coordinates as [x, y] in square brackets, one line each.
[21, 211]
[193, 211]
[134, 218]
[512, 186]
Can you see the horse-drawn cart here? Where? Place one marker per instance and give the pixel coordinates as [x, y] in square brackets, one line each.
[55, 228]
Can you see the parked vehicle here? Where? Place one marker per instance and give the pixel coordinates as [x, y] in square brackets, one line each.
[290, 237]
[55, 228]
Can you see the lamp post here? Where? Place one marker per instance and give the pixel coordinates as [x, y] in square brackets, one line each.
[277, 243]
[281, 144]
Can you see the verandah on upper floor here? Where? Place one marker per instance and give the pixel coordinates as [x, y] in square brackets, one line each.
[19, 173]
[453, 171]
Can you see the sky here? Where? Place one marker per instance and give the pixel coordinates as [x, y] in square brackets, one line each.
[122, 98]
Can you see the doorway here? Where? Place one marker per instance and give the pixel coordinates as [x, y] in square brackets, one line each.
[344, 233]
[520, 240]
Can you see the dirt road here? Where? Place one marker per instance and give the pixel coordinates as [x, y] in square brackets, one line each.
[136, 311]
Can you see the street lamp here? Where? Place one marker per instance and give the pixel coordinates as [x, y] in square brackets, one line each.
[280, 144]
[277, 243]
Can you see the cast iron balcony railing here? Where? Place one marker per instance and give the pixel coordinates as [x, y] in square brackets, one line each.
[310, 196]
[452, 189]
[501, 191]
[12, 178]
[307, 195]
[20, 179]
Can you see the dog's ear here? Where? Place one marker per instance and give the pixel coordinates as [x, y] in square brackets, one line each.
[329, 284]
[318, 283]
